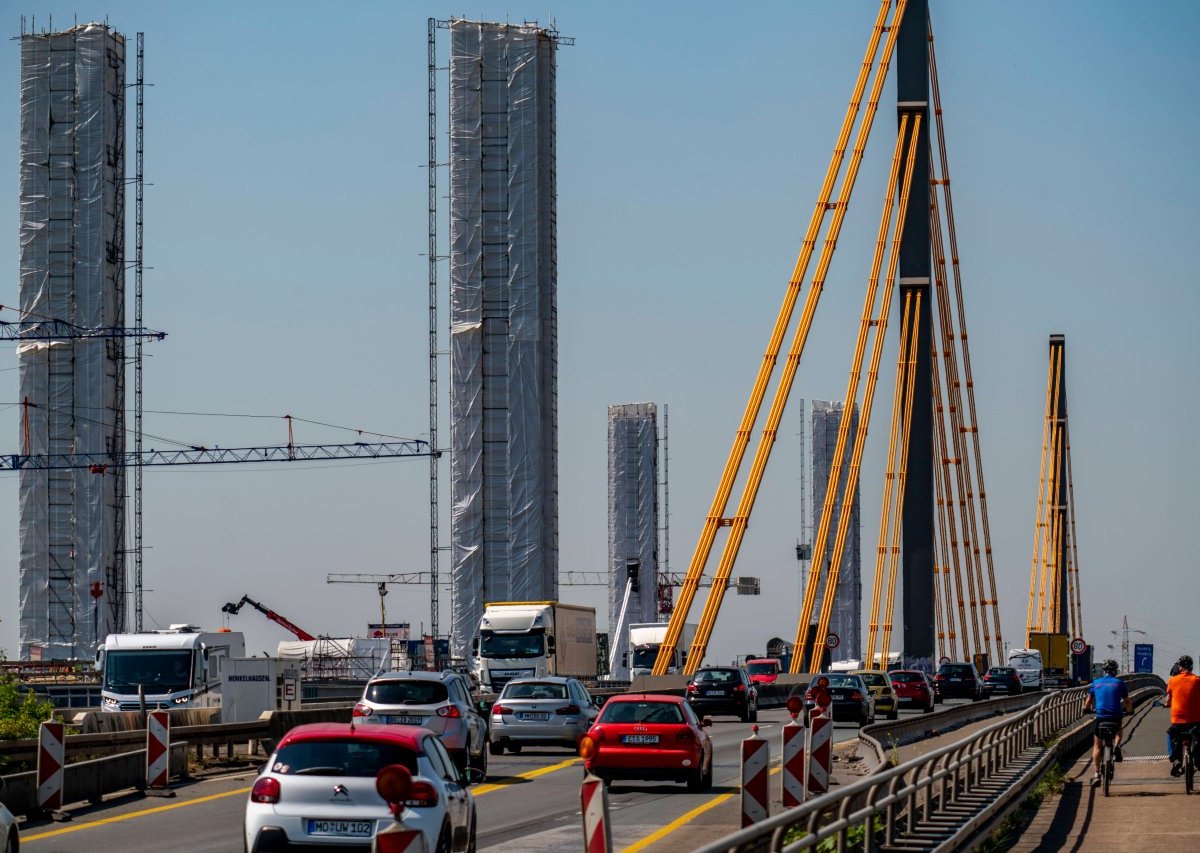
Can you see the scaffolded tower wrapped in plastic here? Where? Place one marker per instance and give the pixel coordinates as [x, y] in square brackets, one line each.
[503, 337]
[846, 621]
[72, 220]
[632, 516]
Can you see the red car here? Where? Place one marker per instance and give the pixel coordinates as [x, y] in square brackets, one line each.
[763, 670]
[646, 736]
[913, 688]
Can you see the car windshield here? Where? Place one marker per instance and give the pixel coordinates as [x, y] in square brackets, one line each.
[874, 679]
[535, 690]
[641, 712]
[358, 757]
[524, 645]
[907, 676]
[158, 671]
[836, 680]
[1000, 670]
[1025, 659]
[762, 668]
[400, 692]
[961, 671]
[644, 657]
[717, 676]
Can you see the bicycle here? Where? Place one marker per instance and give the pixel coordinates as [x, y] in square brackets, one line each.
[1186, 742]
[1107, 732]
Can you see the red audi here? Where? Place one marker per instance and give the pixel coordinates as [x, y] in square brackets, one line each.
[913, 689]
[646, 736]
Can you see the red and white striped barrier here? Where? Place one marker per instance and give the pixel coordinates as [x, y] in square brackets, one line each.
[820, 751]
[792, 772]
[50, 766]
[756, 756]
[596, 837]
[158, 749]
[398, 838]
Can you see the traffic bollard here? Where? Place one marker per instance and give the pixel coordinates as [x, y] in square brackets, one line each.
[594, 799]
[820, 749]
[792, 772]
[158, 753]
[756, 756]
[50, 766]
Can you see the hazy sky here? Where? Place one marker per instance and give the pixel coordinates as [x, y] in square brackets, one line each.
[285, 144]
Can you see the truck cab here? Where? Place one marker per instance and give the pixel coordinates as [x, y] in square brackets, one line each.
[645, 639]
[534, 639]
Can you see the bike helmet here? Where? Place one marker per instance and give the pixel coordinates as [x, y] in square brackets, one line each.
[1110, 667]
[1185, 662]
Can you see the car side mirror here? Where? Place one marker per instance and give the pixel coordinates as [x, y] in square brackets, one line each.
[599, 701]
[473, 776]
[550, 645]
[706, 723]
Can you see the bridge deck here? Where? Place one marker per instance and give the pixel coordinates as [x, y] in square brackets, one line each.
[1147, 809]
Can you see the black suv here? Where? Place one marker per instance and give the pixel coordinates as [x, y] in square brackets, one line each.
[961, 680]
[723, 690]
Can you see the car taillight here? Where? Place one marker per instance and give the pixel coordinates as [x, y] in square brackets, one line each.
[691, 688]
[423, 795]
[450, 711]
[739, 688]
[939, 677]
[685, 735]
[596, 734]
[500, 710]
[265, 790]
[856, 696]
[570, 709]
[361, 710]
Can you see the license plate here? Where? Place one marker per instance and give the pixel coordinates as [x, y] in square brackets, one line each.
[639, 739]
[534, 715]
[342, 828]
[956, 679]
[402, 719]
[839, 694]
[714, 692]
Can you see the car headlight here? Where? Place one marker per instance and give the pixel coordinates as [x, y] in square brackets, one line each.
[109, 702]
[180, 700]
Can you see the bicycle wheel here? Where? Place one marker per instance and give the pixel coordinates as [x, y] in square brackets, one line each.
[1189, 771]
[1107, 768]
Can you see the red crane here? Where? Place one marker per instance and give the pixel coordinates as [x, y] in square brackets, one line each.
[233, 609]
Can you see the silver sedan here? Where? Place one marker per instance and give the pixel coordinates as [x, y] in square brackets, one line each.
[551, 711]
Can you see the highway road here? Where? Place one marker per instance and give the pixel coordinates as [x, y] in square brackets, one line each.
[529, 802]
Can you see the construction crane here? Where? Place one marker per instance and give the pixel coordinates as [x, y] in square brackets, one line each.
[233, 610]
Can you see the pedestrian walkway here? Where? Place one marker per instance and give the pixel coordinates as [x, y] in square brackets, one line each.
[1146, 809]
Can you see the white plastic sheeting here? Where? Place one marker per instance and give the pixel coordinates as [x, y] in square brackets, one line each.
[846, 620]
[503, 336]
[72, 268]
[328, 657]
[632, 516]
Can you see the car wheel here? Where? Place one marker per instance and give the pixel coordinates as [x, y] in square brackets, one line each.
[514, 748]
[495, 747]
[696, 782]
[480, 763]
[708, 774]
[753, 715]
[894, 715]
[443, 842]
[471, 846]
[928, 709]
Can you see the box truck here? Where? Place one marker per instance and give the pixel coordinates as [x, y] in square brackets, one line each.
[1056, 657]
[529, 639]
[645, 638]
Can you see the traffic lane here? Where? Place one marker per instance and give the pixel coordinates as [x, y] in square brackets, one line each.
[543, 814]
[202, 817]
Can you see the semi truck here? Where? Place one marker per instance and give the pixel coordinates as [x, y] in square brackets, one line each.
[1056, 657]
[530, 639]
[180, 667]
[645, 638]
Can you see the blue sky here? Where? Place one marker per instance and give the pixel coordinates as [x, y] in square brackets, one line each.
[286, 221]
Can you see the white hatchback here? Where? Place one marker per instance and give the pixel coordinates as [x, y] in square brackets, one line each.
[9, 836]
[318, 789]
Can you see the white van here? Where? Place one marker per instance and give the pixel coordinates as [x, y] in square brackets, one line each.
[1028, 664]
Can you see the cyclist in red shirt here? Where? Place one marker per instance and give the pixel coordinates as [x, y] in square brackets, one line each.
[1183, 698]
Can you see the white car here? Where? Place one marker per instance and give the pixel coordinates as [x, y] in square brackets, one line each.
[318, 789]
[8, 827]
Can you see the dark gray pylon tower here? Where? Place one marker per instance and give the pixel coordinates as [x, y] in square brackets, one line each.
[1059, 439]
[916, 270]
[434, 550]
[139, 220]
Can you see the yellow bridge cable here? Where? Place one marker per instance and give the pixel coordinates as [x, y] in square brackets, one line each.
[1078, 601]
[739, 522]
[1051, 491]
[946, 540]
[742, 438]
[1033, 620]
[910, 374]
[945, 493]
[835, 563]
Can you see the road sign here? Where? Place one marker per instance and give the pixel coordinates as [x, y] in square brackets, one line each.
[1143, 657]
[1078, 646]
[832, 640]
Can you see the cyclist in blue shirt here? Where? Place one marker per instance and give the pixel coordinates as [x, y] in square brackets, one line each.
[1109, 696]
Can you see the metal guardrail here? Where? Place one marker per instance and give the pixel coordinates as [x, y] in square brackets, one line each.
[962, 785]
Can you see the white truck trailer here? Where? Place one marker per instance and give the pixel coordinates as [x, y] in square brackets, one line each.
[645, 638]
[520, 639]
[1028, 664]
[184, 667]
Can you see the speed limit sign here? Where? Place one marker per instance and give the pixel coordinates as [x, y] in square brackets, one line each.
[1078, 646]
[832, 640]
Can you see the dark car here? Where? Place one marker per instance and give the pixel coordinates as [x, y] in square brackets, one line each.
[723, 690]
[851, 698]
[1003, 679]
[959, 680]
[914, 689]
